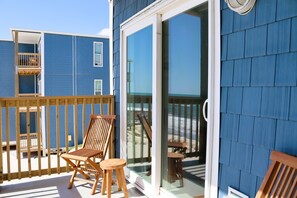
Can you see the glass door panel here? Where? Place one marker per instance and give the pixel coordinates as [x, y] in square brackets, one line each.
[139, 101]
[184, 88]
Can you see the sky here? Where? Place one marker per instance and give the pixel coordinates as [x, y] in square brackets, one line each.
[68, 16]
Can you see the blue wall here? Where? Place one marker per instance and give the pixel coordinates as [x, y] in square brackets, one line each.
[7, 82]
[258, 86]
[69, 71]
[69, 67]
[27, 48]
[6, 69]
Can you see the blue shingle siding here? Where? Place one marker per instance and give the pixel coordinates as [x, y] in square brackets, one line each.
[224, 94]
[293, 35]
[263, 71]
[246, 129]
[235, 39]
[279, 37]
[251, 102]
[242, 23]
[227, 73]
[286, 136]
[255, 41]
[227, 25]
[286, 70]
[265, 12]
[229, 177]
[225, 148]
[293, 104]
[242, 72]
[224, 46]
[275, 102]
[241, 156]
[229, 126]
[286, 9]
[259, 109]
[260, 161]
[248, 183]
[264, 133]
[234, 102]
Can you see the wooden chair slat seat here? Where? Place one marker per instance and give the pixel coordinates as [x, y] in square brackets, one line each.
[281, 177]
[87, 160]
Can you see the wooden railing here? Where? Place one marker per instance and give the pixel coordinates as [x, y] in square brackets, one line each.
[28, 60]
[185, 124]
[57, 120]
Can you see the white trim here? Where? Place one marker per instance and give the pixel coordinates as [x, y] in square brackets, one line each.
[168, 9]
[111, 77]
[42, 92]
[60, 33]
[156, 103]
[6, 40]
[132, 177]
[95, 81]
[94, 54]
[213, 126]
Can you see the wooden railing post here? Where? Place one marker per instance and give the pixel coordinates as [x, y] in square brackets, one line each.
[1, 146]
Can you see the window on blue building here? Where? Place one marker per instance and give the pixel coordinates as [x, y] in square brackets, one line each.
[98, 54]
[97, 87]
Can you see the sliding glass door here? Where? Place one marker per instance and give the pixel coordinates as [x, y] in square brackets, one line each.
[139, 100]
[164, 84]
[184, 90]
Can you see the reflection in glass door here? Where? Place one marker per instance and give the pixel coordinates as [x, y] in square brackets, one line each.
[139, 101]
[184, 88]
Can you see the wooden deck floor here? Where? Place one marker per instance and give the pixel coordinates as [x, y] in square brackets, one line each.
[55, 186]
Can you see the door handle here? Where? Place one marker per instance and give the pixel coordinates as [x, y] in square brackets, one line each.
[203, 110]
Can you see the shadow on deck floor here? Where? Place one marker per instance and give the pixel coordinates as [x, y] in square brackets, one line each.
[56, 186]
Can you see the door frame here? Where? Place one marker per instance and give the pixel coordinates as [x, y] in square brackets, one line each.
[154, 15]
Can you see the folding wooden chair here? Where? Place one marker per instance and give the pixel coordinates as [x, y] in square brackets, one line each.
[96, 141]
[281, 177]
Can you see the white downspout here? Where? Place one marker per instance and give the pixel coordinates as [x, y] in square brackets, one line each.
[111, 85]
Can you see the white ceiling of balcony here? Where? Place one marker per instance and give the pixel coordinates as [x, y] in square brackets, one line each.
[29, 37]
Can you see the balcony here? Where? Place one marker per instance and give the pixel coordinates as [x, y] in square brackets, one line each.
[29, 63]
[31, 143]
[60, 123]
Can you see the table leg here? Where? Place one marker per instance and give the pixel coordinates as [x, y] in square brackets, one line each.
[109, 182]
[103, 188]
[123, 182]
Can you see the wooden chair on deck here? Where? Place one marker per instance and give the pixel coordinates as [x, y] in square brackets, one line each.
[96, 141]
[281, 177]
[175, 167]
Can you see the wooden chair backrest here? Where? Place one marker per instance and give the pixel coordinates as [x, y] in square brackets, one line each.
[145, 125]
[281, 177]
[99, 133]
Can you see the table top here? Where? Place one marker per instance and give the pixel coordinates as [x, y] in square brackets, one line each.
[113, 163]
[175, 155]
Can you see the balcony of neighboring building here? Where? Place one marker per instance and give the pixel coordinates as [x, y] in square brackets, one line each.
[27, 51]
[28, 63]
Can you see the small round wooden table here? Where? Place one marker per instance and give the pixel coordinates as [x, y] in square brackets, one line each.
[107, 166]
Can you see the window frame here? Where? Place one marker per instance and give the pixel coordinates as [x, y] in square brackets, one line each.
[94, 54]
[95, 81]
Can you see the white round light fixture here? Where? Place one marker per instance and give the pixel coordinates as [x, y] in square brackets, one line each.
[242, 7]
